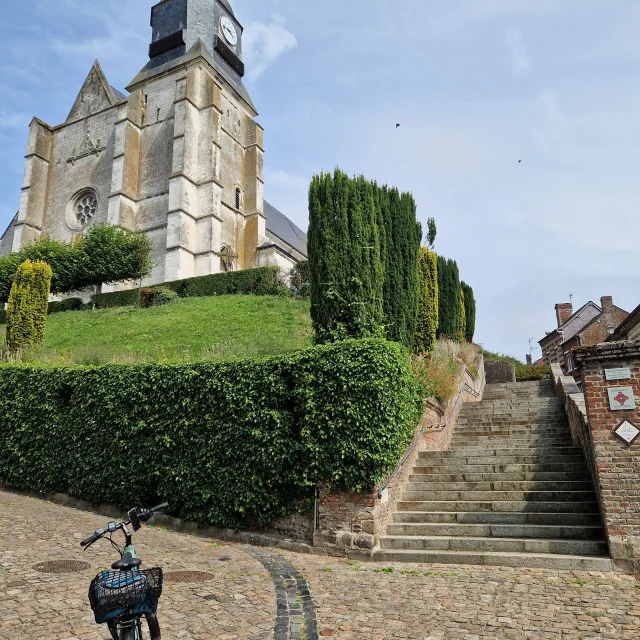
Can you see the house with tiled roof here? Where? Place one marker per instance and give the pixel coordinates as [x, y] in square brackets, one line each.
[589, 325]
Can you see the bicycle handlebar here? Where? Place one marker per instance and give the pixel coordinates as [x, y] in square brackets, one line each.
[144, 515]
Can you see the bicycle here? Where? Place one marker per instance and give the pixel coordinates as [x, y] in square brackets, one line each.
[121, 597]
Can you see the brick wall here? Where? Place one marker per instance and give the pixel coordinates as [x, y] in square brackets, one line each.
[567, 390]
[616, 466]
[350, 524]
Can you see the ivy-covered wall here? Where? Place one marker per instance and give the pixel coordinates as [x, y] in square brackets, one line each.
[225, 444]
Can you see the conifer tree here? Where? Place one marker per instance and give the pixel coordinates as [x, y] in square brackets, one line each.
[427, 325]
[448, 298]
[462, 325]
[470, 311]
[345, 267]
[27, 305]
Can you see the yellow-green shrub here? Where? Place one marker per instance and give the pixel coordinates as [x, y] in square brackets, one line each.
[28, 305]
[427, 325]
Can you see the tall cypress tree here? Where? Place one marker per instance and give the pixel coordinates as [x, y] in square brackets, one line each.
[449, 298]
[344, 259]
[470, 311]
[402, 235]
[427, 325]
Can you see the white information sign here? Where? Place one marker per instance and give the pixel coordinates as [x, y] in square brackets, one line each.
[627, 432]
[623, 373]
[621, 398]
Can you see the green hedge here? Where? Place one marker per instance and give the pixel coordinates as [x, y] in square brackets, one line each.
[223, 443]
[263, 281]
[526, 373]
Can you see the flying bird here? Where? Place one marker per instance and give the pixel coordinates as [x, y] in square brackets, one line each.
[397, 125]
[519, 161]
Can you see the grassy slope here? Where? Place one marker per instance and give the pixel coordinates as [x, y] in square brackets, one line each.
[190, 329]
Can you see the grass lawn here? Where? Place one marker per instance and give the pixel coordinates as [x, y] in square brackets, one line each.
[187, 330]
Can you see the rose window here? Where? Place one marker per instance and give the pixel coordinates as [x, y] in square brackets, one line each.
[85, 208]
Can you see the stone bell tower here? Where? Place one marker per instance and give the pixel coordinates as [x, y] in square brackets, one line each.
[195, 103]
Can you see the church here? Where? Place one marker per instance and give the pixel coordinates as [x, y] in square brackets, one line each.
[180, 157]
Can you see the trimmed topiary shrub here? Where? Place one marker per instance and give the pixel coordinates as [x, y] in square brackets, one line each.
[223, 443]
[27, 305]
[426, 328]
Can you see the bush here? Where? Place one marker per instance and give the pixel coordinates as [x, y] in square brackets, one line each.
[104, 256]
[223, 443]
[526, 373]
[3, 316]
[69, 304]
[264, 281]
[27, 306]
[300, 284]
[157, 296]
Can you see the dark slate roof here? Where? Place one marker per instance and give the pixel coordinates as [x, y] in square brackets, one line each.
[227, 6]
[6, 240]
[161, 64]
[118, 94]
[279, 225]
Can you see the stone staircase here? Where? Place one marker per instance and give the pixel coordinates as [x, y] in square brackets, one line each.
[511, 491]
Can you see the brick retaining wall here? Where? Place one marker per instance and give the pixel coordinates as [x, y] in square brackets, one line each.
[615, 467]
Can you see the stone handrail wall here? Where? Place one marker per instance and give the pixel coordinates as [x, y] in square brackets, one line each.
[566, 388]
[350, 524]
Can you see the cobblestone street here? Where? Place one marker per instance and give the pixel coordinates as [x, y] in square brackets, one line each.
[352, 600]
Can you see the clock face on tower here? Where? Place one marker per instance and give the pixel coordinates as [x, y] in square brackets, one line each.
[229, 31]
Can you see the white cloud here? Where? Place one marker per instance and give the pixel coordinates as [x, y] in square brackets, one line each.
[520, 63]
[264, 44]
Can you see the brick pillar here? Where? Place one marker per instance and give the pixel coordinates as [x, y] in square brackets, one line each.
[617, 465]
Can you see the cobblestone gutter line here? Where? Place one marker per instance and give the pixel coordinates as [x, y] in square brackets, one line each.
[296, 611]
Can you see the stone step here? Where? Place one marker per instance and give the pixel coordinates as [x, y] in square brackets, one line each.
[499, 496]
[502, 434]
[502, 460]
[489, 517]
[501, 441]
[499, 506]
[523, 428]
[555, 562]
[464, 476]
[528, 531]
[514, 545]
[506, 451]
[544, 467]
[427, 484]
[511, 423]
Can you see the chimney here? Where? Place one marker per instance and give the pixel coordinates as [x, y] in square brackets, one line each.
[529, 360]
[564, 310]
[606, 302]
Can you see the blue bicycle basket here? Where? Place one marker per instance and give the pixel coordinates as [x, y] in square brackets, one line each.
[124, 594]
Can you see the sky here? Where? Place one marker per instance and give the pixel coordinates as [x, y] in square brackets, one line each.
[476, 85]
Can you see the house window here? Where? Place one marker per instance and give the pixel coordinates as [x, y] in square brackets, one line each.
[238, 198]
[569, 364]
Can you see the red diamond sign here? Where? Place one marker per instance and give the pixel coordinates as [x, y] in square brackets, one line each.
[621, 399]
